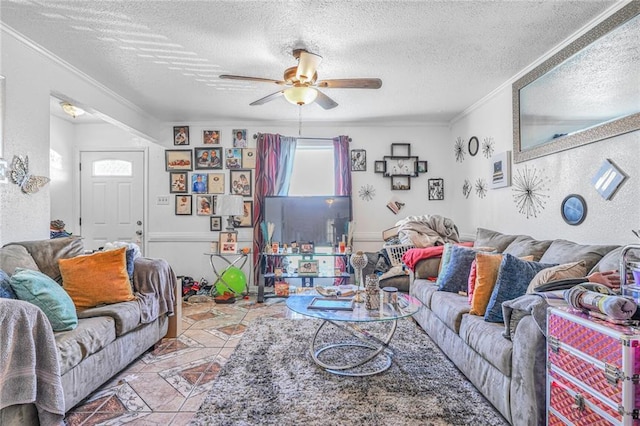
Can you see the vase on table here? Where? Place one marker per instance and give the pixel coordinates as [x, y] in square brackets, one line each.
[372, 292]
[358, 262]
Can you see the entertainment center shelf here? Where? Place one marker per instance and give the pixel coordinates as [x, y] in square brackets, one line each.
[311, 261]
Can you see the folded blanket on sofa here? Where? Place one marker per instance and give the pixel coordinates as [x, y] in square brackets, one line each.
[154, 283]
[615, 307]
[534, 304]
[30, 371]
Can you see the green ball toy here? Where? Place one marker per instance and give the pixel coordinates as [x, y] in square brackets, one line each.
[235, 281]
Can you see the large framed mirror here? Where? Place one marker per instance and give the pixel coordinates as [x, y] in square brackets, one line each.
[588, 91]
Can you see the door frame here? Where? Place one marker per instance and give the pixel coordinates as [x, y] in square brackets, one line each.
[145, 186]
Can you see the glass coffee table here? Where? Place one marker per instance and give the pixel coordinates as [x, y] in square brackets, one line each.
[368, 346]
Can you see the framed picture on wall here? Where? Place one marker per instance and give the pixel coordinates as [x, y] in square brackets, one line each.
[436, 189]
[501, 170]
[178, 159]
[183, 205]
[229, 237]
[215, 223]
[199, 183]
[211, 137]
[181, 135]
[204, 205]
[248, 158]
[233, 158]
[208, 158]
[178, 183]
[240, 182]
[239, 138]
[215, 183]
[358, 160]
[246, 220]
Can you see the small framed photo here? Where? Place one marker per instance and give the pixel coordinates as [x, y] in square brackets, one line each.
[215, 183]
[204, 206]
[199, 183]
[228, 248]
[233, 158]
[380, 166]
[248, 158]
[178, 183]
[400, 149]
[239, 138]
[215, 223]
[178, 159]
[246, 220]
[228, 237]
[608, 178]
[436, 189]
[501, 170]
[306, 248]
[211, 137]
[400, 183]
[181, 135]
[208, 158]
[213, 247]
[307, 267]
[422, 167]
[240, 182]
[358, 160]
[183, 205]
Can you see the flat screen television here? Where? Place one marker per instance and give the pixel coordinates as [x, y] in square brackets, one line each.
[318, 219]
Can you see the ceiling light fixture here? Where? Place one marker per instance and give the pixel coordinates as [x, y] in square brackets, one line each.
[72, 110]
[307, 66]
[300, 95]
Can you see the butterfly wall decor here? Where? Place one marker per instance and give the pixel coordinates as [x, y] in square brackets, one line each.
[20, 175]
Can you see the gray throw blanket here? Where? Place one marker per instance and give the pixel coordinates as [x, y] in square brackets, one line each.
[534, 304]
[427, 231]
[154, 283]
[29, 369]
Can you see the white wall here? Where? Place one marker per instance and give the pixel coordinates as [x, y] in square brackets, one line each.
[61, 187]
[568, 172]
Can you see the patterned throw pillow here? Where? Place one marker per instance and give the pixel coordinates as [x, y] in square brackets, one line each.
[513, 279]
[6, 292]
[455, 277]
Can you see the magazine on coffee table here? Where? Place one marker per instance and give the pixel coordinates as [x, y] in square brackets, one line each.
[332, 304]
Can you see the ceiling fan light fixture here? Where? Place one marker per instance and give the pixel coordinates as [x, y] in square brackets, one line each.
[71, 109]
[307, 66]
[300, 95]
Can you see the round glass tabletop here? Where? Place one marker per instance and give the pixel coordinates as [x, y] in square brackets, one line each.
[407, 306]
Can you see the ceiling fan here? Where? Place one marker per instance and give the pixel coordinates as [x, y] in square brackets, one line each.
[302, 83]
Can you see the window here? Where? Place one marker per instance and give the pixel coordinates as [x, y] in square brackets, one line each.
[112, 168]
[313, 172]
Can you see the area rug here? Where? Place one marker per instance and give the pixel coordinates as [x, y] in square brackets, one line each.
[271, 379]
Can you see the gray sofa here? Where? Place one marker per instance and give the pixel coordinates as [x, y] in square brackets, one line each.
[106, 340]
[509, 373]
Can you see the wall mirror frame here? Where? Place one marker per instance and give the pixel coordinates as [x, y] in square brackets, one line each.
[557, 71]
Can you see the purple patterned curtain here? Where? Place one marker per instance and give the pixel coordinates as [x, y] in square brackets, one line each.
[342, 165]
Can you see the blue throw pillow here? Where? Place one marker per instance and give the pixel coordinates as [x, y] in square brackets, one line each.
[455, 276]
[6, 292]
[513, 280]
[37, 288]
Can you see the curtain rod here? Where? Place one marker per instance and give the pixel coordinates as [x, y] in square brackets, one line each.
[255, 136]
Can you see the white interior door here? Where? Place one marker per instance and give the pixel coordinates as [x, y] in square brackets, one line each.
[111, 197]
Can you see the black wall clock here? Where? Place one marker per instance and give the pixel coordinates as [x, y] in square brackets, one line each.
[474, 145]
[574, 209]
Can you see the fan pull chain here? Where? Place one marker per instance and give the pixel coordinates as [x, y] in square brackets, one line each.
[299, 120]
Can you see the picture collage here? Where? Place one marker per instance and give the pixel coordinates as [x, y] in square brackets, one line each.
[197, 176]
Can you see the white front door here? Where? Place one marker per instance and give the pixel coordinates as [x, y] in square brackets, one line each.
[111, 197]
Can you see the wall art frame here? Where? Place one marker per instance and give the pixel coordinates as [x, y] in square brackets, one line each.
[184, 205]
[358, 160]
[436, 189]
[178, 182]
[501, 170]
[178, 159]
[181, 135]
[241, 182]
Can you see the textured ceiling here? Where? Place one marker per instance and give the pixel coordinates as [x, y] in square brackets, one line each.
[435, 58]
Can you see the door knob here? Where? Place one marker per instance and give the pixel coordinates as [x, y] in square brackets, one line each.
[139, 222]
[138, 232]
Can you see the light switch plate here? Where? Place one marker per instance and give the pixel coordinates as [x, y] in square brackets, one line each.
[162, 200]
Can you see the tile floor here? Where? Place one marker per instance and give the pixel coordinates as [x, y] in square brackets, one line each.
[167, 385]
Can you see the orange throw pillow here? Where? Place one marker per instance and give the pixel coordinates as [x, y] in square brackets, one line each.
[97, 279]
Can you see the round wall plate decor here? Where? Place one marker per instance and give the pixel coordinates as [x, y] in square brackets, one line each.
[474, 145]
[574, 209]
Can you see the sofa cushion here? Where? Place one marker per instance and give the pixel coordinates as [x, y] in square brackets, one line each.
[563, 251]
[423, 290]
[427, 268]
[611, 260]
[125, 314]
[486, 339]
[46, 253]
[454, 277]
[513, 279]
[497, 240]
[6, 292]
[96, 279]
[449, 307]
[444, 262]
[13, 256]
[39, 289]
[527, 246]
[560, 272]
[91, 335]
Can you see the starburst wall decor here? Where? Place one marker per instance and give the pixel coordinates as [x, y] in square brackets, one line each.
[458, 148]
[466, 188]
[487, 147]
[481, 188]
[367, 192]
[529, 187]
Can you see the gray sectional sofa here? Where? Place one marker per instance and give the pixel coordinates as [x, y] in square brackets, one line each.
[509, 373]
[106, 340]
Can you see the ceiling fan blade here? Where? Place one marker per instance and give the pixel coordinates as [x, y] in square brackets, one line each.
[324, 101]
[351, 83]
[268, 98]
[242, 77]
[307, 66]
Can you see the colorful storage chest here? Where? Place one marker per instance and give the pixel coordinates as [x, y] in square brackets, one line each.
[592, 370]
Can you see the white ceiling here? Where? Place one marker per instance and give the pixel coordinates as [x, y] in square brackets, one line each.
[435, 58]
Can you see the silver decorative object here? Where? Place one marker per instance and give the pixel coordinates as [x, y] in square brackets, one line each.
[372, 292]
[358, 262]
